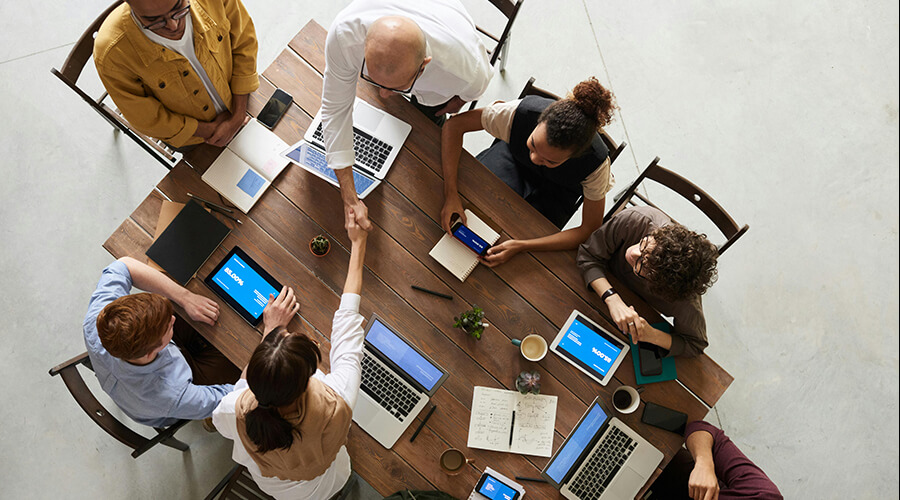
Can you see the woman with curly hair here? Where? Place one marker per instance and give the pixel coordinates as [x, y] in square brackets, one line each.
[549, 152]
[665, 263]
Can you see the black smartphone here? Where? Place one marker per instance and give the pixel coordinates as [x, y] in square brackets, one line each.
[650, 359]
[475, 243]
[664, 418]
[274, 109]
[495, 489]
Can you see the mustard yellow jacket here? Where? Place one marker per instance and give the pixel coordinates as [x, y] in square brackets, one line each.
[156, 89]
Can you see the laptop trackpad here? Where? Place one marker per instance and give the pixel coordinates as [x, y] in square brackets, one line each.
[366, 117]
[627, 482]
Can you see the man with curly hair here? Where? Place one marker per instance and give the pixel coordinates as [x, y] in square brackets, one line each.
[666, 264]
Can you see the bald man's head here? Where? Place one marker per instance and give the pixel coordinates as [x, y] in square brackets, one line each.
[395, 51]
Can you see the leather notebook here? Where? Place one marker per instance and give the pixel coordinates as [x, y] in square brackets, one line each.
[189, 240]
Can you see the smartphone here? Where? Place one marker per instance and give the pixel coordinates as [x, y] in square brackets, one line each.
[664, 418]
[650, 359]
[475, 243]
[495, 489]
[274, 109]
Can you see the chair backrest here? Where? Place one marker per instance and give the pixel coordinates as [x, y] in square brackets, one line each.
[614, 149]
[690, 192]
[238, 484]
[500, 52]
[71, 71]
[70, 375]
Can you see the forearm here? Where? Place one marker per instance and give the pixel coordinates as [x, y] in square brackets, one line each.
[348, 187]
[563, 240]
[451, 149]
[150, 280]
[239, 103]
[700, 444]
[353, 283]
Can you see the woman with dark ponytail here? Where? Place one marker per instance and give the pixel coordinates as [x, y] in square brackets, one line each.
[289, 420]
[549, 152]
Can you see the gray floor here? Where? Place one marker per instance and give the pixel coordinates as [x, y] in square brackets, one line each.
[787, 113]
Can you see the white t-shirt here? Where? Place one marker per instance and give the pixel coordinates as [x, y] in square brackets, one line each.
[459, 67]
[185, 47]
[344, 378]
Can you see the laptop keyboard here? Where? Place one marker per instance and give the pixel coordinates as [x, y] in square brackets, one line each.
[603, 464]
[383, 386]
[370, 152]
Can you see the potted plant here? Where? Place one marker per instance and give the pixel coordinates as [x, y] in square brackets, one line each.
[529, 382]
[319, 246]
[472, 322]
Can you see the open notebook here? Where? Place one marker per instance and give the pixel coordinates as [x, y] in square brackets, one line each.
[456, 256]
[247, 166]
[512, 422]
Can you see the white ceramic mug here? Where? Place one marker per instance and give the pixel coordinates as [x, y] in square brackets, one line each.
[533, 347]
[618, 399]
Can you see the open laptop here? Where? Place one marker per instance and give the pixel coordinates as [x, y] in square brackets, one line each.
[601, 459]
[397, 381]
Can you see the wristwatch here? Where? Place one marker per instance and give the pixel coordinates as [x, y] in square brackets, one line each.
[607, 294]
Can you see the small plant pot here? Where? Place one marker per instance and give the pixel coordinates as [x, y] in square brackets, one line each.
[472, 322]
[317, 244]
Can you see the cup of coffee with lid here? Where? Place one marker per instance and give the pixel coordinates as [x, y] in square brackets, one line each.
[626, 399]
[453, 461]
[533, 347]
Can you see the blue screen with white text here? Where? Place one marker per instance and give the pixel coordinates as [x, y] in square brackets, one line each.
[576, 443]
[588, 347]
[495, 490]
[404, 356]
[243, 284]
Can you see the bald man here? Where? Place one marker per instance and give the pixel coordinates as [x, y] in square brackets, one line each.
[427, 50]
[179, 70]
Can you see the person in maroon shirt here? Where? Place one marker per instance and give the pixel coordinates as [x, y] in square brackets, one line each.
[712, 468]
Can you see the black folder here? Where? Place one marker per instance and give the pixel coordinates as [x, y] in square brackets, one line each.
[190, 239]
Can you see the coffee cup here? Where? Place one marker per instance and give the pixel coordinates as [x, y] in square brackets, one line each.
[626, 399]
[533, 347]
[453, 461]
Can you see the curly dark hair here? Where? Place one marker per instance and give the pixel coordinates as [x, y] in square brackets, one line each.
[572, 122]
[681, 264]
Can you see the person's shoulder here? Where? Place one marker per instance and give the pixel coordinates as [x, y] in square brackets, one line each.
[111, 33]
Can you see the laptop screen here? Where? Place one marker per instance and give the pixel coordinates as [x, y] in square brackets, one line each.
[590, 348]
[403, 355]
[575, 444]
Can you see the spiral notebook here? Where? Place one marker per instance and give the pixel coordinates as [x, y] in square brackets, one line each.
[456, 256]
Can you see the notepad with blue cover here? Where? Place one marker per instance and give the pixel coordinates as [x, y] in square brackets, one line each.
[191, 237]
[668, 363]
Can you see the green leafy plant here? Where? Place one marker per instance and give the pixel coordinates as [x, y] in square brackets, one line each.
[472, 322]
[529, 382]
[319, 245]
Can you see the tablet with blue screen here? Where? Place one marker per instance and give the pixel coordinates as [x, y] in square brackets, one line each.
[243, 285]
[589, 347]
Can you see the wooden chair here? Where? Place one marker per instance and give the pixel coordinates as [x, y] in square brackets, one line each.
[689, 191]
[69, 373]
[510, 9]
[71, 71]
[614, 149]
[238, 484]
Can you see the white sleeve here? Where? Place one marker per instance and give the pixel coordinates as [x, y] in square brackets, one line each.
[223, 416]
[497, 119]
[346, 349]
[343, 60]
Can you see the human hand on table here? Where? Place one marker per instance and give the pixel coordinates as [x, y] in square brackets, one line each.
[226, 129]
[200, 308]
[452, 205]
[279, 310]
[355, 232]
[453, 106]
[501, 252]
[703, 484]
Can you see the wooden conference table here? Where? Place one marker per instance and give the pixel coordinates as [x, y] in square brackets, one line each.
[530, 293]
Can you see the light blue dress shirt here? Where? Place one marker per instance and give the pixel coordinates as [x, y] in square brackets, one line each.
[158, 393]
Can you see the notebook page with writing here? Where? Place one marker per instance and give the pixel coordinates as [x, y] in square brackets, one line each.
[492, 420]
[455, 256]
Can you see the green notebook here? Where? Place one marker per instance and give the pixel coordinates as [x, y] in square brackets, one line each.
[668, 364]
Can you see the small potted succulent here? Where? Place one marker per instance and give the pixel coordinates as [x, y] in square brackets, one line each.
[472, 322]
[319, 246]
[529, 382]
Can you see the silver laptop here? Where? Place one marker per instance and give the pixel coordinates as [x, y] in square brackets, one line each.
[601, 459]
[377, 138]
[397, 381]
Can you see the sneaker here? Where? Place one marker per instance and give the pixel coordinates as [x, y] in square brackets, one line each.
[208, 425]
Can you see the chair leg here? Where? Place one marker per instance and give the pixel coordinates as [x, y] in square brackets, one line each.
[504, 52]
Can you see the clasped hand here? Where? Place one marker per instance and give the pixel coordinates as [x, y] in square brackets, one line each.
[628, 320]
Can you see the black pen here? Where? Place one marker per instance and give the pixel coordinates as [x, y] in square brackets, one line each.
[512, 424]
[432, 292]
[212, 205]
[532, 479]
[215, 208]
[422, 425]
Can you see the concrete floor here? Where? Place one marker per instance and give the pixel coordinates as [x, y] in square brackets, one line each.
[786, 113]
